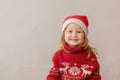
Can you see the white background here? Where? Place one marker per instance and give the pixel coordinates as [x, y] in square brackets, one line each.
[30, 32]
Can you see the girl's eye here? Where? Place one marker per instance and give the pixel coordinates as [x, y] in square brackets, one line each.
[78, 31]
[70, 31]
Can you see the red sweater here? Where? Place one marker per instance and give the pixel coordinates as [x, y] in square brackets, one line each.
[74, 64]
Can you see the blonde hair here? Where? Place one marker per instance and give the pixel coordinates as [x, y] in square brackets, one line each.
[85, 44]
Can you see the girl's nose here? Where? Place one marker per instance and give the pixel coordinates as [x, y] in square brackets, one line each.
[74, 34]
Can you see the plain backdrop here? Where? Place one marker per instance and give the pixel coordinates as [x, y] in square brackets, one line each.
[30, 34]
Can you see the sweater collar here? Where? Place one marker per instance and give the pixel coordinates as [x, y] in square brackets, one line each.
[73, 49]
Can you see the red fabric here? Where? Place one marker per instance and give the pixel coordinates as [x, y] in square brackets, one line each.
[73, 50]
[74, 65]
[79, 17]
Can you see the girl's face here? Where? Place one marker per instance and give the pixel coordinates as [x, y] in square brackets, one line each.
[74, 35]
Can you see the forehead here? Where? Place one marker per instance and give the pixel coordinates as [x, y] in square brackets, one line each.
[73, 26]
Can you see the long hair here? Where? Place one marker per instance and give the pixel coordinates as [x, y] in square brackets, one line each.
[90, 50]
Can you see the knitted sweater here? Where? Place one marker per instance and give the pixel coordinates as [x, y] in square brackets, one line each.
[73, 64]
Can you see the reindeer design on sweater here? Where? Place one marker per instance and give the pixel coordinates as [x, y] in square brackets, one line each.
[85, 71]
[66, 66]
[74, 70]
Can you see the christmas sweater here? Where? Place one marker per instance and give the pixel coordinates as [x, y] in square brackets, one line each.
[73, 64]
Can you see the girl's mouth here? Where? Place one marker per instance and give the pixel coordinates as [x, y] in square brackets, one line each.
[74, 39]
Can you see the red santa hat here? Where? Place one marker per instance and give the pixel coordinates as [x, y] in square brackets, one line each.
[81, 20]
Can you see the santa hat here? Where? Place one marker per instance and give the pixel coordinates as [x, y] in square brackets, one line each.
[81, 20]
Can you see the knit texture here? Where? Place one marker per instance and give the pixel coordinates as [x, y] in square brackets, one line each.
[73, 64]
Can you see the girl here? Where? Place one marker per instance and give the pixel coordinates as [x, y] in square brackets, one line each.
[76, 59]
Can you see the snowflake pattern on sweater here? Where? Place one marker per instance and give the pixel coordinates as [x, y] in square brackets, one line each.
[75, 71]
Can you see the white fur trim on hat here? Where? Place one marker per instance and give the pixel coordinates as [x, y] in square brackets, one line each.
[77, 21]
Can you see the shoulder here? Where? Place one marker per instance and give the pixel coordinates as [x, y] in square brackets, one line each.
[57, 56]
[92, 54]
[57, 53]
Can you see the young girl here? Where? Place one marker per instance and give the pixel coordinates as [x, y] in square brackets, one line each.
[76, 59]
